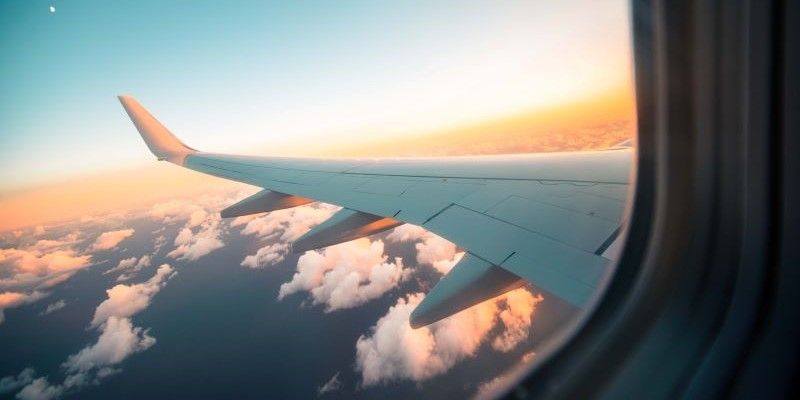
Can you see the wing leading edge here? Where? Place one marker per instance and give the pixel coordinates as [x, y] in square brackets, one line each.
[541, 218]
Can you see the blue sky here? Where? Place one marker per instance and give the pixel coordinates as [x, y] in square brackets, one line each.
[230, 76]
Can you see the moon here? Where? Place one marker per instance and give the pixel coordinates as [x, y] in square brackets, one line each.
[52, 9]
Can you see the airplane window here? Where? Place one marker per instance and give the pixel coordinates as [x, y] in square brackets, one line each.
[357, 199]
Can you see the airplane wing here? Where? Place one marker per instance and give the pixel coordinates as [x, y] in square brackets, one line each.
[543, 218]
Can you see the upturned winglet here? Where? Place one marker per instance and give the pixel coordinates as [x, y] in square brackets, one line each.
[158, 138]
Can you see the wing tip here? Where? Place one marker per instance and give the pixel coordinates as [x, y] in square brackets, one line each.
[162, 143]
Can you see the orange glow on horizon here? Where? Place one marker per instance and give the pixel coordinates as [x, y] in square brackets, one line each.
[589, 124]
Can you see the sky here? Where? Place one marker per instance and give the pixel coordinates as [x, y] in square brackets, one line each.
[276, 76]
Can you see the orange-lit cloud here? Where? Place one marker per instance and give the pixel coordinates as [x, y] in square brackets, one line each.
[395, 351]
[432, 250]
[110, 240]
[42, 264]
[15, 299]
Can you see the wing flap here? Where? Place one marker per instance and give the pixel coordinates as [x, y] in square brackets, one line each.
[553, 266]
[470, 282]
[343, 226]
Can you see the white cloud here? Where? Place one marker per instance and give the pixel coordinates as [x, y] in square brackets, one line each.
[192, 246]
[202, 231]
[268, 255]
[126, 300]
[198, 239]
[130, 266]
[341, 276]
[407, 233]
[144, 262]
[16, 299]
[331, 385]
[118, 340]
[286, 225]
[123, 264]
[281, 227]
[196, 218]
[53, 307]
[110, 240]
[193, 210]
[438, 253]
[345, 275]
[158, 243]
[173, 210]
[432, 250]
[395, 351]
[106, 372]
[40, 389]
[12, 383]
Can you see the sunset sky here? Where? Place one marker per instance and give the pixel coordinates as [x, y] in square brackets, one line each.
[285, 78]
[118, 275]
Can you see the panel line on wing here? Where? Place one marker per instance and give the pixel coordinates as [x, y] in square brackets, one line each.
[246, 164]
[555, 181]
[436, 214]
[611, 238]
[514, 225]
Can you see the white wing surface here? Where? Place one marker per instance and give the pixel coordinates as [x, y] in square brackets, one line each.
[545, 219]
